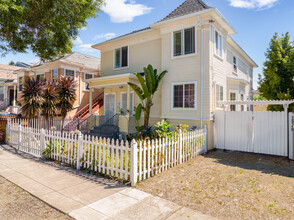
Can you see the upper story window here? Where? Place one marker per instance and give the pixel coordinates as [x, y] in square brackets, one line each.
[86, 85]
[121, 57]
[20, 83]
[54, 74]
[41, 77]
[70, 73]
[218, 44]
[235, 64]
[184, 95]
[219, 95]
[184, 42]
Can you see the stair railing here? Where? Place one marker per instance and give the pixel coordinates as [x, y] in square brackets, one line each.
[108, 122]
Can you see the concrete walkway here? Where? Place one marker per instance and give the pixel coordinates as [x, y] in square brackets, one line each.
[85, 196]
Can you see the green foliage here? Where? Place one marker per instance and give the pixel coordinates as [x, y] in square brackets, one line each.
[278, 73]
[46, 27]
[162, 129]
[257, 97]
[149, 85]
[11, 63]
[49, 149]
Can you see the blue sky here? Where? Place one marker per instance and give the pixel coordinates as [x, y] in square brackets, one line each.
[255, 21]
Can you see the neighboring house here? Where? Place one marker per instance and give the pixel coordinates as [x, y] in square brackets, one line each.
[205, 66]
[8, 82]
[76, 65]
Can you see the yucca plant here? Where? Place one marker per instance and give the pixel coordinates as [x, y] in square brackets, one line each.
[66, 91]
[49, 108]
[149, 85]
[32, 98]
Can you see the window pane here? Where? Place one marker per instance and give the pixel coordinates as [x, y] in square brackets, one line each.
[178, 96]
[221, 93]
[54, 74]
[189, 96]
[216, 42]
[70, 73]
[177, 43]
[124, 103]
[1, 93]
[124, 52]
[220, 45]
[41, 77]
[189, 40]
[117, 58]
[88, 76]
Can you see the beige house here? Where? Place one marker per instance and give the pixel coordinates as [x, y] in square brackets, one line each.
[205, 66]
[76, 65]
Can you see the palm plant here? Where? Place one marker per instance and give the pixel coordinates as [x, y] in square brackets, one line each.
[49, 108]
[149, 85]
[66, 91]
[32, 98]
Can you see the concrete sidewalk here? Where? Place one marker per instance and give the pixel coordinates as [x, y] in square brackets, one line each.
[85, 196]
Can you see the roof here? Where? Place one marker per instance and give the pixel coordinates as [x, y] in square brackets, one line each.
[186, 8]
[6, 71]
[87, 60]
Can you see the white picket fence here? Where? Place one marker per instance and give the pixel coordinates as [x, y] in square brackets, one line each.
[121, 159]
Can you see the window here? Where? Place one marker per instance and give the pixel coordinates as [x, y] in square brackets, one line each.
[242, 99]
[121, 57]
[235, 64]
[20, 83]
[54, 74]
[123, 103]
[87, 76]
[218, 44]
[232, 98]
[184, 95]
[70, 73]
[1, 93]
[219, 95]
[41, 77]
[184, 42]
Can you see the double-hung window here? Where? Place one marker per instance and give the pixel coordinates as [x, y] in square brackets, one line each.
[54, 74]
[20, 83]
[219, 95]
[184, 42]
[87, 76]
[1, 93]
[121, 57]
[70, 73]
[235, 64]
[184, 95]
[218, 44]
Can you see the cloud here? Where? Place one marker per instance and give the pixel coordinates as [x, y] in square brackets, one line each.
[86, 48]
[253, 4]
[77, 41]
[84, 28]
[107, 36]
[121, 11]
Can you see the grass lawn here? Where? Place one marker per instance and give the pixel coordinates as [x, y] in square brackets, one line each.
[230, 185]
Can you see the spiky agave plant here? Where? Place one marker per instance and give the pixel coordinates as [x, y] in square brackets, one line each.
[49, 108]
[66, 91]
[32, 98]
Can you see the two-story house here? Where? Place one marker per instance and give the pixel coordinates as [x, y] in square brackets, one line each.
[76, 65]
[205, 66]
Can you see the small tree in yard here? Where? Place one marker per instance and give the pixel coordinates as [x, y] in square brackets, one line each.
[49, 108]
[149, 85]
[66, 91]
[32, 98]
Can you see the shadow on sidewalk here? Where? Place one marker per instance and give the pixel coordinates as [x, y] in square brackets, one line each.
[94, 178]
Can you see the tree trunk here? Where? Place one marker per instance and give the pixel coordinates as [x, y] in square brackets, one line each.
[62, 124]
[146, 118]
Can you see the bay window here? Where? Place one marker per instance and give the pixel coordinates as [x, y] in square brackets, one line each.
[184, 95]
[121, 57]
[184, 42]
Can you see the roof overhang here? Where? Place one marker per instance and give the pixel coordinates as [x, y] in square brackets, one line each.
[238, 80]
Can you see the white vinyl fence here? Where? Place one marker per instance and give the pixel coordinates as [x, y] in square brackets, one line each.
[121, 159]
[256, 132]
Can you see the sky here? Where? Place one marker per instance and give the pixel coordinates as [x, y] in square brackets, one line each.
[255, 22]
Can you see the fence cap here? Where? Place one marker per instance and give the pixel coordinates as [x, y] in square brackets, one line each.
[260, 102]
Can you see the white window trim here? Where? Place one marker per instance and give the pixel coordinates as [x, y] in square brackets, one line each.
[172, 95]
[222, 43]
[18, 84]
[219, 84]
[75, 73]
[87, 90]
[133, 99]
[172, 43]
[125, 67]
[52, 74]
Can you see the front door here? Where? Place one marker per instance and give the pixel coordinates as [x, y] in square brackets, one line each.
[11, 96]
[109, 108]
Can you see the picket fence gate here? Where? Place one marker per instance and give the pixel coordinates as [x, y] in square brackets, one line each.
[130, 161]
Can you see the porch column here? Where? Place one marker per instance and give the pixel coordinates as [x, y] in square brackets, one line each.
[14, 96]
[91, 102]
[128, 101]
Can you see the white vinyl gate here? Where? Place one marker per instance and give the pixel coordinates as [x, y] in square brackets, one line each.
[256, 132]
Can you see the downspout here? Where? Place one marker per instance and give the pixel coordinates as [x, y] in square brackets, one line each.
[202, 72]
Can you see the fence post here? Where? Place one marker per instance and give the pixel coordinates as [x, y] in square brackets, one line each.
[29, 133]
[42, 142]
[19, 137]
[181, 146]
[79, 151]
[206, 138]
[134, 162]
[7, 133]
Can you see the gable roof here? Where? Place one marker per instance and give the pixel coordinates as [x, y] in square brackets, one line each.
[186, 8]
[87, 60]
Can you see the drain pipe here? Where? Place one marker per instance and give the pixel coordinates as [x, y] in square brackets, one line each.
[202, 71]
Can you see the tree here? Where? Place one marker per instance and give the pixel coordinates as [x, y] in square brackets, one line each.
[46, 27]
[149, 85]
[66, 91]
[32, 98]
[11, 63]
[278, 72]
[48, 108]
